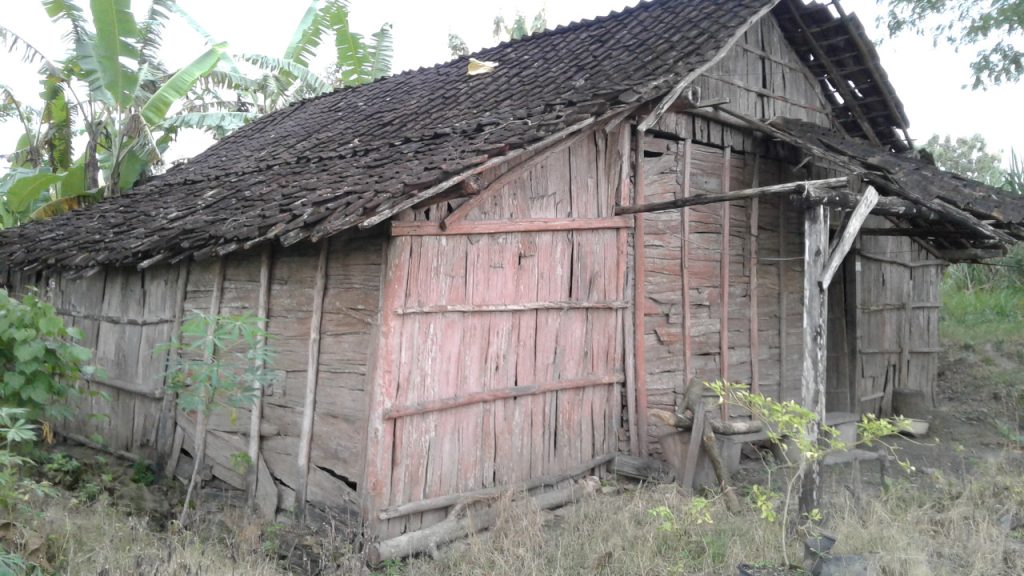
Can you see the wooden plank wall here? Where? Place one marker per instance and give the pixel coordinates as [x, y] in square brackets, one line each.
[504, 359]
[667, 336]
[125, 313]
[763, 78]
[897, 318]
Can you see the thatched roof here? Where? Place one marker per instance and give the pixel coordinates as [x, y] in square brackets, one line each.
[356, 156]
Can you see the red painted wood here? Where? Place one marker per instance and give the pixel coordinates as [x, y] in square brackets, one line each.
[380, 434]
[640, 297]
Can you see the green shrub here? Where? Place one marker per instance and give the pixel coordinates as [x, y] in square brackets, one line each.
[39, 359]
[16, 488]
[62, 470]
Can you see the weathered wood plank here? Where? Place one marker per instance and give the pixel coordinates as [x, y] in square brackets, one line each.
[640, 296]
[257, 469]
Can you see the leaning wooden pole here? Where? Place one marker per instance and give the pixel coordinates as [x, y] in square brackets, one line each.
[626, 275]
[202, 417]
[312, 372]
[684, 262]
[755, 329]
[812, 381]
[640, 296]
[262, 311]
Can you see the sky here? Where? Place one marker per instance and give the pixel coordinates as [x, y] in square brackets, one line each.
[929, 79]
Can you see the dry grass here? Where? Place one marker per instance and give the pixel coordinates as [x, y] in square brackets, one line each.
[926, 524]
[923, 526]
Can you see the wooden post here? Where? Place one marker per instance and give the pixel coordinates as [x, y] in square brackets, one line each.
[262, 311]
[812, 381]
[755, 337]
[723, 329]
[640, 296]
[684, 259]
[376, 482]
[312, 372]
[629, 330]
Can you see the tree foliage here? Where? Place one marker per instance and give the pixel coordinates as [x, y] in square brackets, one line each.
[247, 86]
[968, 157]
[519, 26]
[995, 28]
[108, 86]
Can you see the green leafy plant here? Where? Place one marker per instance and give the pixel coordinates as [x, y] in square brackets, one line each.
[218, 364]
[787, 424]
[143, 473]
[62, 470]
[39, 359]
[15, 487]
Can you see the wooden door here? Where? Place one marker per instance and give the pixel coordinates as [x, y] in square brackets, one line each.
[504, 360]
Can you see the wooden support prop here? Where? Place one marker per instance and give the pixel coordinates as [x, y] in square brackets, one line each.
[666, 102]
[458, 526]
[693, 449]
[262, 311]
[640, 296]
[721, 472]
[504, 227]
[199, 454]
[485, 494]
[702, 199]
[684, 259]
[165, 427]
[425, 407]
[521, 307]
[312, 372]
[812, 382]
[755, 336]
[849, 234]
[723, 325]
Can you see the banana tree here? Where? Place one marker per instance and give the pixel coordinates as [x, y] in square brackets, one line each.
[108, 88]
[249, 85]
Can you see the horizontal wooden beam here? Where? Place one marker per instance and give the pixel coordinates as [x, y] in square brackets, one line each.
[702, 199]
[115, 319]
[922, 232]
[425, 407]
[518, 307]
[508, 226]
[493, 492]
[972, 254]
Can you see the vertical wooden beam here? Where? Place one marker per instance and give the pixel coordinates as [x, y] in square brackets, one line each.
[812, 381]
[782, 296]
[629, 330]
[262, 311]
[312, 373]
[906, 335]
[755, 337]
[723, 327]
[640, 295]
[684, 259]
[382, 383]
[166, 422]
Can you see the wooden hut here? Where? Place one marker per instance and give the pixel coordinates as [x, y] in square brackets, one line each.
[477, 282]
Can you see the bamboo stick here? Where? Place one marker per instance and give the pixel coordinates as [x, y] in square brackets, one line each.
[640, 296]
[723, 331]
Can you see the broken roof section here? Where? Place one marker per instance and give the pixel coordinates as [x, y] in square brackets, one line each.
[961, 218]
